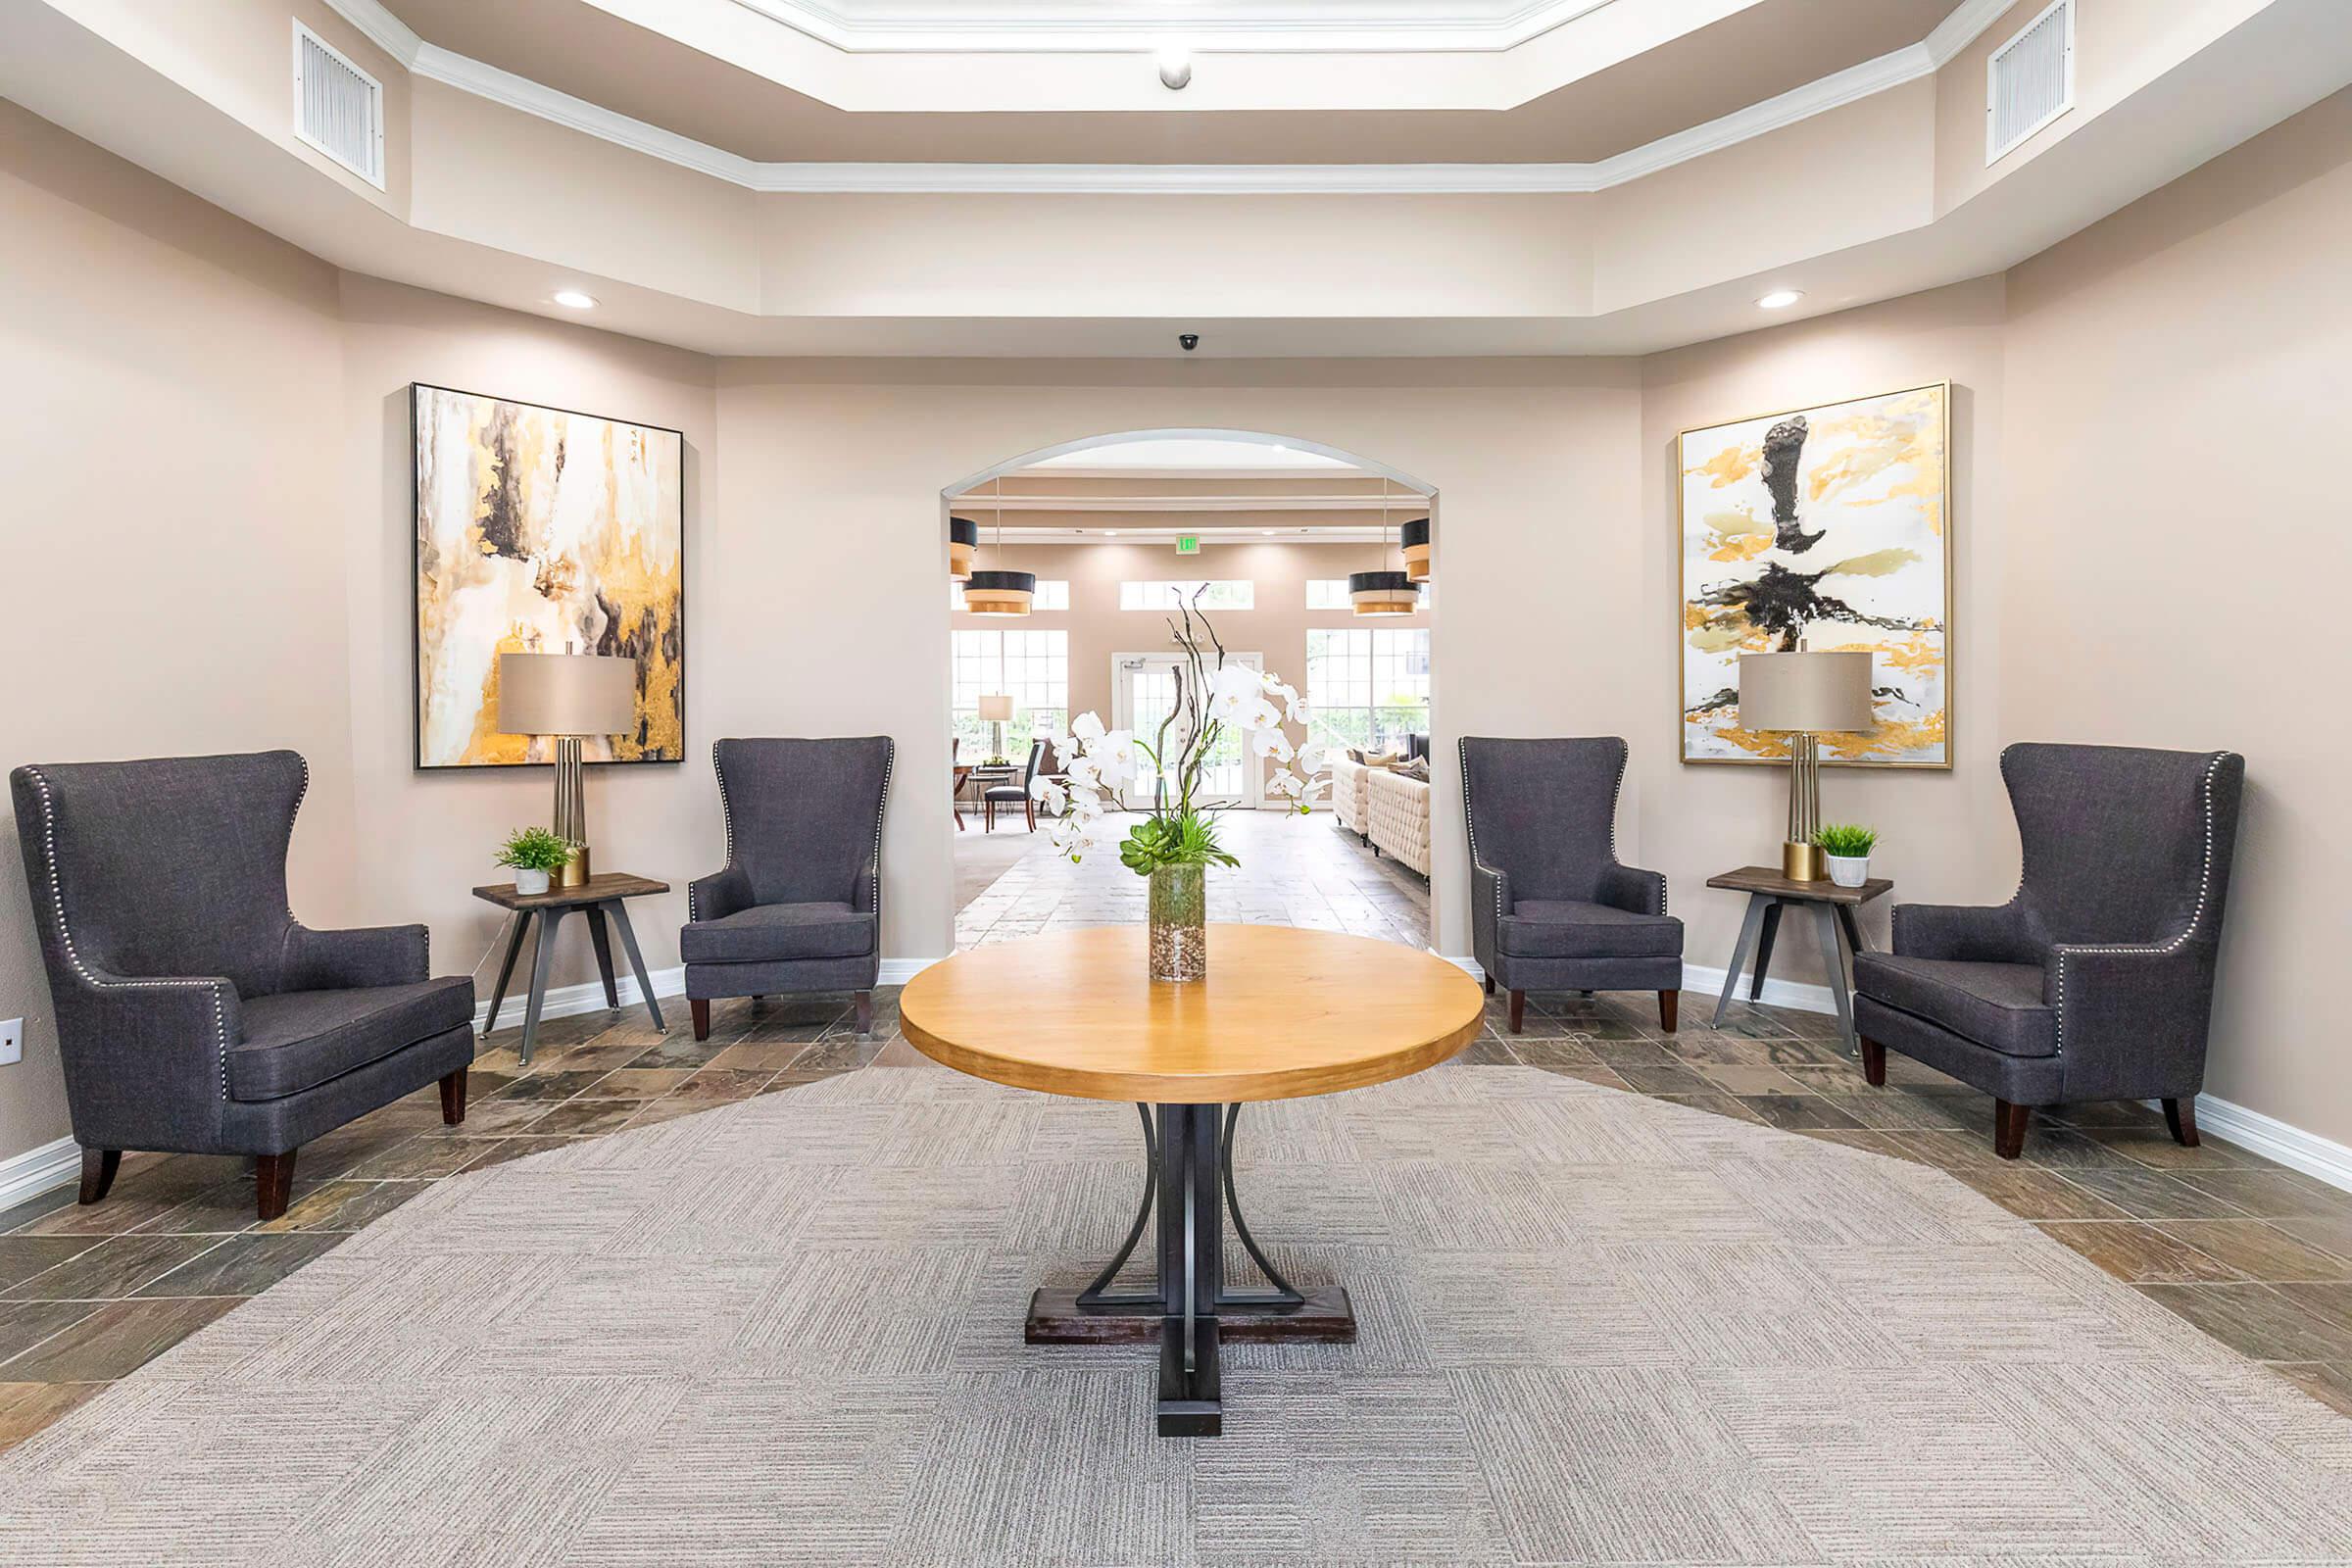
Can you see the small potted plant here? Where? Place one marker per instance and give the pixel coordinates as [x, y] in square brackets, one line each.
[534, 854]
[1846, 846]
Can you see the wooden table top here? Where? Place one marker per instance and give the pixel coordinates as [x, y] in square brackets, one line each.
[596, 890]
[1766, 880]
[1285, 1012]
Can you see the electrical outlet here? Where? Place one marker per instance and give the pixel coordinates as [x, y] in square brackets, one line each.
[12, 1041]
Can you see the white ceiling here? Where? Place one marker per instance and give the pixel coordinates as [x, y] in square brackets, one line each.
[1178, 455]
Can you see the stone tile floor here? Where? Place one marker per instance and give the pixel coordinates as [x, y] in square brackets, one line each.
[2255, 1255]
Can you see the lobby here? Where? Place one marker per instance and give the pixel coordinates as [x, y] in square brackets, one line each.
[1499, 385]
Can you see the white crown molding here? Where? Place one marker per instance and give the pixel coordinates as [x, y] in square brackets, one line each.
[529, 97]
[1204, 27]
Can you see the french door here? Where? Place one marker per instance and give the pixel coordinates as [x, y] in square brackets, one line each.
[1142, 689]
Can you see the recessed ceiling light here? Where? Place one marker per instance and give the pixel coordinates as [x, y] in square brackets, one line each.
[1271, 533]
[571, 299]
[1175, 64]
[1779, 299]
[1110, 534]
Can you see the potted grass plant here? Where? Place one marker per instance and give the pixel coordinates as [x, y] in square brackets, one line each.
[534, 854]
[1846, 846]
[1175, 844]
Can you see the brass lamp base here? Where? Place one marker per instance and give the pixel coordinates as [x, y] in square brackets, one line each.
[1800, 858]
[571, 810]
[1801, 862]
[575, 870]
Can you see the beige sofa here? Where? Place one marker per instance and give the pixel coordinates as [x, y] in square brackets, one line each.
[1396, 816]
[1347, 793]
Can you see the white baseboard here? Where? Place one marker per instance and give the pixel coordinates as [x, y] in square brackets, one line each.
[39, 1170]
[2321, 1159]
[565, 1002]
[1776, 992]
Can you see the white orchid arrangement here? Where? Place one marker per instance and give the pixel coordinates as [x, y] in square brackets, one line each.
[1214, 696]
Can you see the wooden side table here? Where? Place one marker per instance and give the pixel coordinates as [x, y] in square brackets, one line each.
[1768, 893]
[598, 897]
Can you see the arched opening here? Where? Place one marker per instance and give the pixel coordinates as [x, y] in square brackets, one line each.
[1295, 553]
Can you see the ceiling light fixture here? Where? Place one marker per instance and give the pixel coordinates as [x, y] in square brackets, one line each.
[1779, 299]
[1175, 64]
[999, 592]
[571, 299]
[1412, 542]
[1383, 592]
[963, 543]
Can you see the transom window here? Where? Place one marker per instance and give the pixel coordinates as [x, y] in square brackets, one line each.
[1032, 667]
[1219, 595]
[1328, 593]
[1367, 686]
[1053, 593]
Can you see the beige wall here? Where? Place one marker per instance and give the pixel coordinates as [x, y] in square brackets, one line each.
[208, 440]
[171, 430]
[2176, 422]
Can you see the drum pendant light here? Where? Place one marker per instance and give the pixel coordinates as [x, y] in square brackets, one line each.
[1412, 541]
[999, 592]
[963, 542]
[1383, 592]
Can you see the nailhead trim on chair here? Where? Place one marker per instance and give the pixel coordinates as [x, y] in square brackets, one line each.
[65, 933]
[874, 871]
[726, 814]
[2197, 916]
[1461, 751]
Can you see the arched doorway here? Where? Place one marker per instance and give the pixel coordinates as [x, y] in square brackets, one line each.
[1261, 530]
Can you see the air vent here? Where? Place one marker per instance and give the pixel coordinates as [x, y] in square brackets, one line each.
[2030, 80]
[338, 107]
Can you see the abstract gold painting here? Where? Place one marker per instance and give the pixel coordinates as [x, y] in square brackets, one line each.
[542, 530]
[1829, 528]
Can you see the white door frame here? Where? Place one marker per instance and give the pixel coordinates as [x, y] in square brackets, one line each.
[1138, 794]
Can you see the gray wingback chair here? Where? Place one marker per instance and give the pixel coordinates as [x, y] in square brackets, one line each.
[194, 1014]
[2095, 980]
[798, 907]
[1551, 908]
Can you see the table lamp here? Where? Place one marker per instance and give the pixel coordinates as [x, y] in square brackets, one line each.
[1803, 695]
[996, 710]
[566, 696]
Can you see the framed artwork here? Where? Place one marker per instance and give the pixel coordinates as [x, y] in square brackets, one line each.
[1829, 527]
[543, 530]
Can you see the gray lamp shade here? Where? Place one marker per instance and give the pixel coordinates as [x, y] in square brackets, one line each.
[1814, 693]
[996, 708]
[565, 693]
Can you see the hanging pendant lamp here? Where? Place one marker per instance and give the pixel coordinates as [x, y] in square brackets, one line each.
[1412, 541]
[1000, 593]
[1383, 592]
[963, 542]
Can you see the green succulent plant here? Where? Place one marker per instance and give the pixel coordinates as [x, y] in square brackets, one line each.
[535, 848]
[1187, 840]
[1846, 840]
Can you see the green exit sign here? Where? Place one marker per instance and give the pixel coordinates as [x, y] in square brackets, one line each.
[1188, 544]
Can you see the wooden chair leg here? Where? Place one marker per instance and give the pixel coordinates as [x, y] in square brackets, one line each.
[2009, 1128]
[865, 1015]
[1030, 806]
[1489, 985]
[1874, 1064]
[1518, 1010]
[2181, 1115]
[98, 1167]
[452, 1099]
[701, 1008]
[272, 1183]
[1669, 1009]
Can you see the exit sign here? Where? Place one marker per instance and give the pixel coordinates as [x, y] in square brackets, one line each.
[1188, 544]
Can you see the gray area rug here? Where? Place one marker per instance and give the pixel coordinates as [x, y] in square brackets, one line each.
[1596, 1329]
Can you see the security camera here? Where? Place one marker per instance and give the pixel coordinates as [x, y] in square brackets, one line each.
[1188, 341]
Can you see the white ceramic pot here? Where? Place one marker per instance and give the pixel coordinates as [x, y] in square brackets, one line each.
[1848, 871]
[527, 883]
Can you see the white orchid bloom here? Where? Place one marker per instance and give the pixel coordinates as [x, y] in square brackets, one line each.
[1082, 772]
[1086, 727]
[1261, 713]
[1117, 757]
[1285, 783]
[1272, 743]
[1231, 707]
[1238, 679]
[1049, 793]
[1313, 758]
[1294, 707]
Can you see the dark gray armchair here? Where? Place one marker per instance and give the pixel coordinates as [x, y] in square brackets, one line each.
[1551, 909]
[194, 1014]
[2095, 980]
[799, 906]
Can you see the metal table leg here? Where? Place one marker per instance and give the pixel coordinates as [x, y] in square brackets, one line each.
[603, 944]
[506, 970]
[1763, 962]
[1833, 958]
[628, 945]
[1757, 904]
[548, 919]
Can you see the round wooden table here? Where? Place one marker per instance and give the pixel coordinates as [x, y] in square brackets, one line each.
[1284, 1013]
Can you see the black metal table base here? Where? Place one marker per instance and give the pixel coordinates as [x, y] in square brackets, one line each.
[1189, 1312]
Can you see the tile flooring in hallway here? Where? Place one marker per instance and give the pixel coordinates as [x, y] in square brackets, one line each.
[2254, 1255]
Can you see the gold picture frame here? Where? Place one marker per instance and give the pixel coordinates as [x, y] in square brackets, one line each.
[1771, 505]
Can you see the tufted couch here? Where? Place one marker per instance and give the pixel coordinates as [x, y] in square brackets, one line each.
[1396, 815]
[1347, 793]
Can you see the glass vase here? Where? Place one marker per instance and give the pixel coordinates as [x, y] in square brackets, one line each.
[1179, 923]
